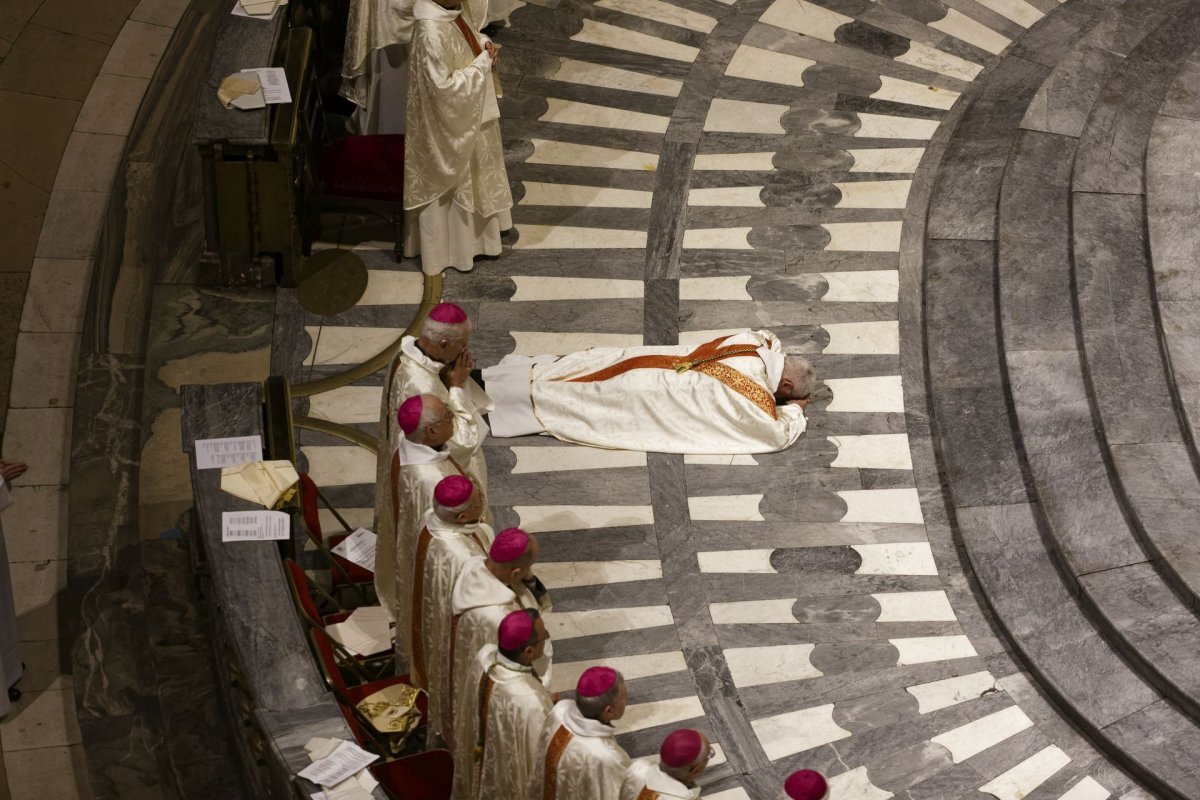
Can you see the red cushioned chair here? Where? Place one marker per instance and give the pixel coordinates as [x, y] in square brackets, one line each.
[345, 574]
[425, 776]
[366, 172]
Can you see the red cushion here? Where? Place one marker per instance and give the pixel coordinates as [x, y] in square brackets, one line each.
[425, 776]
[364, 167]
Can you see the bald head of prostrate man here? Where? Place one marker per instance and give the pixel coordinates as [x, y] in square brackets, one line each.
[684, 755]
[426, 420]
[600, 694]
[797, 382]
[805, 784]
[445, 333]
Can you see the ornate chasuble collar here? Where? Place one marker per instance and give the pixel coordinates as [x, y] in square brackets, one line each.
[706, 359]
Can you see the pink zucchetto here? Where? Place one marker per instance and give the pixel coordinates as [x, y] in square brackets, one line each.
[409, 413]
[681, 747]
[509, 545]
[595, 681]
[806, 785]
[452, 491]
[515, 631]
[448, 314]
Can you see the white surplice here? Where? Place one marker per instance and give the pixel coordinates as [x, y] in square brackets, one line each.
[479, 603]
[456, 192]
[586, 763]
[657, 410]
[501, 10]
[496, 766]
[646, 774]
[447, 549]
[10, 637]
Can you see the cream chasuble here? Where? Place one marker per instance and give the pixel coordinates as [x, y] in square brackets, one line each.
[721, 407]
[512, 705]
[456, 194]
[645, 781]
[442, 551]
[501, 10]
[578, 758]
[479, 602]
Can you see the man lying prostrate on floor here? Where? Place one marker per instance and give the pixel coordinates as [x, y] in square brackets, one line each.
[439, 440]
[735, 394]
[578, 755]
[683, 757]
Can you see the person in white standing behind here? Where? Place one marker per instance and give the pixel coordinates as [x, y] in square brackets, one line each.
[682, 759]
[456, 194]
[578, 754]
[505, 705]
[10, 637]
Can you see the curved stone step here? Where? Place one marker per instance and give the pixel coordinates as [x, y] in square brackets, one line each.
[1015, 476]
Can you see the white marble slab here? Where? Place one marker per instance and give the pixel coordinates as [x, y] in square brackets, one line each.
[571, 457]
[564, 676]
[914, 607]
[573, 624]
[896, 558]
[872, 451]
[1087, 789]
[916, 94]
[700, 337]
[864, 395]
[973, 738]
[618, 38]
[573, 112]
[348, 405]
[536, 343]
[727, 287]
[747, 162]
[862, 338]
[339, 345]
[560, 574]
[355, 517]
[386, 287]
[732, 196]
[744, 116]
[552, 519]
[868, 237]
[740, 460]
[803, 17]
[729, 507]
[934, 60]
[887, 159]
[866, 286]
[960, 26]
[531, 288]
[924, 649]
[569, 154]
[717, 239]
[882, 505]
[758, 666]
[796, 731]
[936, 695]
[565, 237]
[336, 465]
[572, 194]
[855, 784]
[751, 612]
[885, 126]
[662, 12]
[737, 793]
[587, 73]
[736, 561]
[754, 63]
[1018, 782]
[873, 194]
[639, 716]
[1019, 11]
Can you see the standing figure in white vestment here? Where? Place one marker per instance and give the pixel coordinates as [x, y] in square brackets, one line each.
[578, 754]
[10, 638]
[453, 533]
[682, 759]
[435, 362]
[805, 784]
[456, 195]
[735, 394]
[506, 705]
[439, 440]
[486, 591]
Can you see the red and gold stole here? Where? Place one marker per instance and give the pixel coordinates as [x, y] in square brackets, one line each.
[554, 753]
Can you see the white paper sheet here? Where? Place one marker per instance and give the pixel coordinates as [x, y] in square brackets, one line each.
[255, 526]
[274, 84]
[218, 453]
[358, 548]
[347, 759]
[365, 632]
